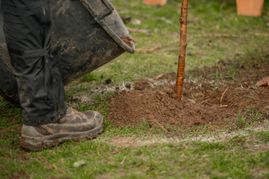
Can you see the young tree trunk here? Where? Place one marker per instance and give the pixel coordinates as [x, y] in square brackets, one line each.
[182, 47]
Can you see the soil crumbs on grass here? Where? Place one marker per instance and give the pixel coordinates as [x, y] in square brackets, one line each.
[209, 100]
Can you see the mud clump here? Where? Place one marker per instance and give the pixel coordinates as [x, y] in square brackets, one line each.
[141, 85]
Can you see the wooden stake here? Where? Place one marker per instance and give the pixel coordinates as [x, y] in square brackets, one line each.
[182, 48]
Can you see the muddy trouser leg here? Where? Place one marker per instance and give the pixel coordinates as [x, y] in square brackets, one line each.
[27, 30]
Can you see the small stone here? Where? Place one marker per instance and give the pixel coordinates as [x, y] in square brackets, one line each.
[192, 101]
[136, 22]
[79, 164]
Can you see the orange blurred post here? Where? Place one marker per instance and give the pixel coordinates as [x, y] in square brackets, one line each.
[155, 2]
[249, 7]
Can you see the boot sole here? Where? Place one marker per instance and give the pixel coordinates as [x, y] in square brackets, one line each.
[40, 143]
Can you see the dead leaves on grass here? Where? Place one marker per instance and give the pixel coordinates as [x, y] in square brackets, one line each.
[263, 82]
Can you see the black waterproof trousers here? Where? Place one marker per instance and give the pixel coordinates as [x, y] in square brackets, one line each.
[27, 29]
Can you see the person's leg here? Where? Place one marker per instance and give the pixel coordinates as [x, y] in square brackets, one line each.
[47, 122]
[27, 25]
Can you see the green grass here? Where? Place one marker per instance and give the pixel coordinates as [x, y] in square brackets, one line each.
[215, 33]
[249, 117]
[189, 160]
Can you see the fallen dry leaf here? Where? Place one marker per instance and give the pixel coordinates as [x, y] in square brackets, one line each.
[263, 82]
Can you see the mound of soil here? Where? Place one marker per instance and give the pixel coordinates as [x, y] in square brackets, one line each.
[203, 102]
[203, 106]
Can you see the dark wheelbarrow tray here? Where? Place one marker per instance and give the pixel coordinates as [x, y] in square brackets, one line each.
[85, 35]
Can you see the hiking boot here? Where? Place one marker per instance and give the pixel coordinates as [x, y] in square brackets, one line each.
[73, 126]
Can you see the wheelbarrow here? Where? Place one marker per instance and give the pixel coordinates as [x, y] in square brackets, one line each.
[86, 34]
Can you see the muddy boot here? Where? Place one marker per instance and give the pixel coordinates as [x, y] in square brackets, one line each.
[73, 126]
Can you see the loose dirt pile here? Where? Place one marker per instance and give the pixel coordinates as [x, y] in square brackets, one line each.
[203, 101]
[203, 106]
